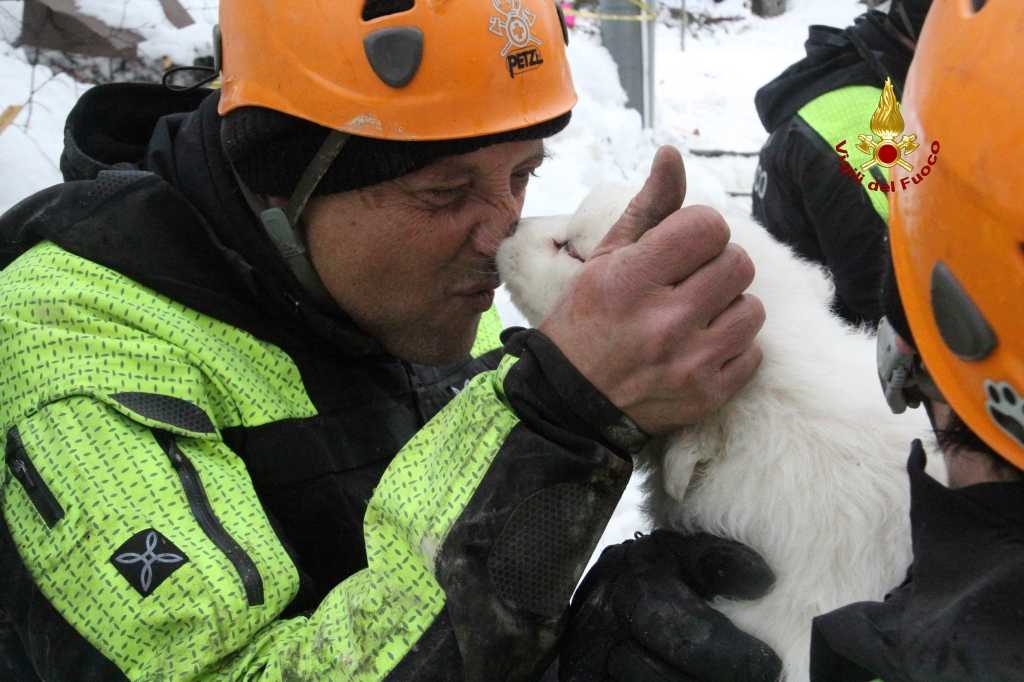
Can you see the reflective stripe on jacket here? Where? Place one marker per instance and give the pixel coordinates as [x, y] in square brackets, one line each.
[140, 526]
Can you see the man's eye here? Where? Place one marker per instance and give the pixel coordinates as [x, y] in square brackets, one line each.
[525, 175]
[444, 196]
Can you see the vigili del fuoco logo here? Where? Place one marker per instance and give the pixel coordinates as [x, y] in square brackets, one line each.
[515, 25]
[887, 146]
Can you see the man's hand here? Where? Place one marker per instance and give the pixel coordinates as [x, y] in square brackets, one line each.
[657, 319]
[640, 614]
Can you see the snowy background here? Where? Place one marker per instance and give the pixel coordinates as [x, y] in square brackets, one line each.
[704, 101]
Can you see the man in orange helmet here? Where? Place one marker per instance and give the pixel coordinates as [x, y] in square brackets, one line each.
[255, 427]
[954, 299]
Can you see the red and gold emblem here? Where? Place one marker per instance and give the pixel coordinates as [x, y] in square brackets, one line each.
[887, 125]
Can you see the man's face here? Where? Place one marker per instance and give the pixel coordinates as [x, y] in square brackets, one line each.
[966, 467]
[412, 259]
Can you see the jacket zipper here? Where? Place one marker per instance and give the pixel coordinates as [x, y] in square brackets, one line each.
[21, 466]
[208, 521]
[415, 384]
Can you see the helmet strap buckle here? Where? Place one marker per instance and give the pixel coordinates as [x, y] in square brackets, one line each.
[904, 378]
[284, 225]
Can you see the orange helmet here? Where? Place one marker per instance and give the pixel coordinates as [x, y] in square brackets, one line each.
[398, 69]
[957, 218]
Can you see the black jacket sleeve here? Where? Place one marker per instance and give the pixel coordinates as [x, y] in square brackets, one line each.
[803, 199]
[959, 618]
[512, 561]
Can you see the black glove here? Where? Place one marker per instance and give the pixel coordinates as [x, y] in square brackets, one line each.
[640, 614]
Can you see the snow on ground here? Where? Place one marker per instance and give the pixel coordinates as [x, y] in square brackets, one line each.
[147, 18]
[704, 100]
[30, 147]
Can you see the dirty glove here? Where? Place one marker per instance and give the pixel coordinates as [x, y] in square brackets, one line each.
[640, 614]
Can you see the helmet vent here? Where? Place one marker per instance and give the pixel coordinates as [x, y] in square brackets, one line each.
[962, 326]
[374, 9]
[978, 4]
[395, 54]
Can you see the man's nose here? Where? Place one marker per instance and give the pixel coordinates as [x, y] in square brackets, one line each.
[489, 236]
[499, 225]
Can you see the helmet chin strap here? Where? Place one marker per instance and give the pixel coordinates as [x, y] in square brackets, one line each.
[284, 226]
[908, 25]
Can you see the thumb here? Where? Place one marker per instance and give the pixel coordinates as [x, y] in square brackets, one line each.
[661, 196]
[714, 566]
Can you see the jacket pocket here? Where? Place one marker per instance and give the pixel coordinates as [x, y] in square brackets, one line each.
[20, 465]
[199, 503]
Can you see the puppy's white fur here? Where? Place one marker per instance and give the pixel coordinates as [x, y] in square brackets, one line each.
[806, 464]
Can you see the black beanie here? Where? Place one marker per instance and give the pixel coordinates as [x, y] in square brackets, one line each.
[270, 151]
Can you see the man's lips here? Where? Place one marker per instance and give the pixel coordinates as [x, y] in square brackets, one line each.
[484, 287]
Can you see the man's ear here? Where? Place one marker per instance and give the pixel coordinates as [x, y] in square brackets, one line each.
[938, 414]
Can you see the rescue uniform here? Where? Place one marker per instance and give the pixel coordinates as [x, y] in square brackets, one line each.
[801, 194]
[210, 477]
[958, 617]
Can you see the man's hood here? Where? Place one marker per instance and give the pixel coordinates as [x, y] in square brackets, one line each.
[176, 136]
[111, 127]
[863, 54]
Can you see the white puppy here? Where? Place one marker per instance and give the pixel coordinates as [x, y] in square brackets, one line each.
[806, 464]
